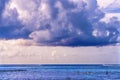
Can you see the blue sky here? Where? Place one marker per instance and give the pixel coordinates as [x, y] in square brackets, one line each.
[64, 23]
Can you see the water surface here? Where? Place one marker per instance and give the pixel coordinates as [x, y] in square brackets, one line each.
[59, 72]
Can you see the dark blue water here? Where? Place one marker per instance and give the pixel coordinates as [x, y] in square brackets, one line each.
[59, 72]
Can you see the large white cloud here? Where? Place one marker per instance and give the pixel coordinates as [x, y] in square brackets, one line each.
[60, 22]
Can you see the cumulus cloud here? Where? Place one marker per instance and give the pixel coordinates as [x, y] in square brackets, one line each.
[59, 22]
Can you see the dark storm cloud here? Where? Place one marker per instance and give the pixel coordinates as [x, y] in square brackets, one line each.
[59, 23]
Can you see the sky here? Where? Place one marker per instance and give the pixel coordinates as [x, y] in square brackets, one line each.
[59, 32]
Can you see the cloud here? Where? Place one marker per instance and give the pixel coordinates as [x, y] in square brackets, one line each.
[104, 3]
[114, 7]
[59, 22]
[15, 48]
[16, 52]
[2, 6]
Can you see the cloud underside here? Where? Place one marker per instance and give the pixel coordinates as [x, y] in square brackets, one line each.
[57, 22]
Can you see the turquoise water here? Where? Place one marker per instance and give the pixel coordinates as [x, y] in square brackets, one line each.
[59, 72]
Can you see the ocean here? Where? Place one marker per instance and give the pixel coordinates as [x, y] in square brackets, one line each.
[59, 72]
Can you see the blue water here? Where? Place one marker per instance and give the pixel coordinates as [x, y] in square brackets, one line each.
[59, 72]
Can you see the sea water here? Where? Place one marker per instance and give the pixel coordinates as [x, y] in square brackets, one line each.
[59, 72]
